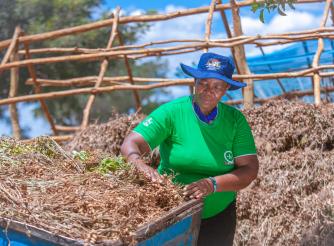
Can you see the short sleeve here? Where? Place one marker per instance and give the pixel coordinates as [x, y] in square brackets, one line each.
[243, 143]
[156, 127]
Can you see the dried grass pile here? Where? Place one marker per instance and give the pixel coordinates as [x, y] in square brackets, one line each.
[71, 196]
[107, 137]
[292, 201]
[281, 125]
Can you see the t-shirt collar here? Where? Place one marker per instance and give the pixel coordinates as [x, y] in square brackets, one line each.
[205, 118]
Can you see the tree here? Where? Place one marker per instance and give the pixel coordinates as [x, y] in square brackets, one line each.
[272, 5]
[38, 16]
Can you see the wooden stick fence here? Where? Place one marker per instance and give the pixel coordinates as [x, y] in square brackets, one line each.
[130, 19]
[315, 63]
[102, 84]
[103, 69]
[14, 81]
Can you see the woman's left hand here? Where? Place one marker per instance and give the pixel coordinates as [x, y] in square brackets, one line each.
[199, 189]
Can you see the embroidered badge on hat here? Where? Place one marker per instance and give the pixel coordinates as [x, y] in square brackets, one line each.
[213, 64]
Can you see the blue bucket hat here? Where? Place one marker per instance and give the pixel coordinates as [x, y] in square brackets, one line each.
[214, 66]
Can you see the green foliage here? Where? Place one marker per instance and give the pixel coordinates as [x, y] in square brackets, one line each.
[12, 151]
[112, 164]
[12, 148]
[36, 16]
[272, 5]
[80, 155]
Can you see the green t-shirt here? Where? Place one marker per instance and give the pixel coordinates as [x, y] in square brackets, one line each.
[192, 149]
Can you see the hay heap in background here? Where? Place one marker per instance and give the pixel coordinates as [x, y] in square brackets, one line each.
[107, 137]
[43, 186]
[292, 201]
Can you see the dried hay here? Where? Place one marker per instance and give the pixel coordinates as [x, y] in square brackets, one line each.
[43, 186]
[281, 125]
[292, 201]
[107, 137]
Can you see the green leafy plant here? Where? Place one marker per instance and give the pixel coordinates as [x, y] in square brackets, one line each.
[80, 155]
[14, 148]
[112, 164]
[272, 5]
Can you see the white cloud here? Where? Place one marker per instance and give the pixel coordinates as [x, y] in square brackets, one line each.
[193, 27]
[186, 27]
[293, 21]
[137, 12]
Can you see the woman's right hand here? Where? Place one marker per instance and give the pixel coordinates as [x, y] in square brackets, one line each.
[148, 171]
[133, 149]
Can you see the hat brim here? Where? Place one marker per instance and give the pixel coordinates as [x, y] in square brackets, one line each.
[200, 74]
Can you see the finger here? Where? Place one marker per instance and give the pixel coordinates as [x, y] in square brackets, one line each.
[192, 185]
[157, 177]
[190, 192]
[196, 194]
[145, 172]
[199, 196]
[153, 176]
[161, 178]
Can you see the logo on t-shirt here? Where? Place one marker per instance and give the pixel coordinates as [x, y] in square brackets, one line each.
[228, 156]
[148, 122]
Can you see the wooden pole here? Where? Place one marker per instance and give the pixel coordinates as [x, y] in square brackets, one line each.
[288, 95]
[58, 139]
[135, 54]
[209, 24]
[228, 33]
[103, 69]
[12, 45]
[14, 80]
[248, 91]
[287, 38]
[129, 71]
[67, 128]
[315, 63]
[91, 80]
[91, 90]
[11, 48]
[37, 89]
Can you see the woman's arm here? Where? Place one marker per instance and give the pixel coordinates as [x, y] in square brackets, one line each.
[241, 177]
[246, 172]
[133, 149]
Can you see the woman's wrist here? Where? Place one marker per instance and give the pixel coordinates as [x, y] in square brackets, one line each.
[214, 183]
[133, 155]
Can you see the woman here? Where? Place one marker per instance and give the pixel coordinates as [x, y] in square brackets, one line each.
[206, 144]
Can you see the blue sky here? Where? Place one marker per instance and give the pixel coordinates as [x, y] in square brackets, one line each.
[154, 4]
[306, 16]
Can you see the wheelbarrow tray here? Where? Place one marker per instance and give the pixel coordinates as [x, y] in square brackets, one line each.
[179, 226]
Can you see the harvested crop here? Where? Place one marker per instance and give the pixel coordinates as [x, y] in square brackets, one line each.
[292, 200]
[108, 199]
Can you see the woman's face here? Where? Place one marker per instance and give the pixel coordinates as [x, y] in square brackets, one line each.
[208, 93]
